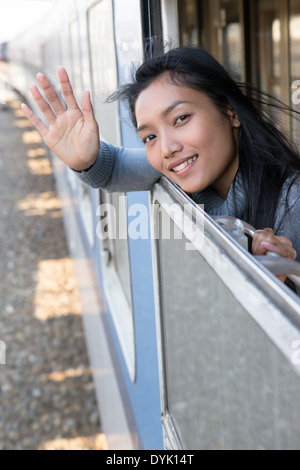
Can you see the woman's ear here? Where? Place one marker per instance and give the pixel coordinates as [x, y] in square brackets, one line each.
[235, 122]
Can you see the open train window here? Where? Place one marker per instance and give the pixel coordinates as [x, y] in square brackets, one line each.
[229, 336]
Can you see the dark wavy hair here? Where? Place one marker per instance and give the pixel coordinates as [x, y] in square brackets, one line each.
[267, 156]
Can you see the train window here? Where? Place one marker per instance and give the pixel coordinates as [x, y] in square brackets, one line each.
[114, 248]
[75, 60]
[295, 62]
[227, 358]
[219, 27]
[129, 53]
[189, 14]
[269, 51]
[120, 250]
[170, 15]
[104, 69]
[112, 230]
[85, 202]
[232, 37]
[152, 25]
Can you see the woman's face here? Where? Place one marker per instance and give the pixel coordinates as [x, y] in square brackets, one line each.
[187, 138]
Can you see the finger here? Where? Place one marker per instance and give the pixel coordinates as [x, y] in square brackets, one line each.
[260, 235]
[88, 112]
[67, 89]
[283, 250]
[285, 241]
[258, 249]
[43, 105]
[51, 94]
[37, 123]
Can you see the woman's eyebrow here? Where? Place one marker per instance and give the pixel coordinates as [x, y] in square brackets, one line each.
[165, 112]
[173, 106]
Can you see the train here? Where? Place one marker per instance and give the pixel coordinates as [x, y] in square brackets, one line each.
[193, 342]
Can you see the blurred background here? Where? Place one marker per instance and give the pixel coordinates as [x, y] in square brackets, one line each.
[18, 15]
[47, 396]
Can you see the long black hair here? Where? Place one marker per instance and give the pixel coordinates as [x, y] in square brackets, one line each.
[267, 156]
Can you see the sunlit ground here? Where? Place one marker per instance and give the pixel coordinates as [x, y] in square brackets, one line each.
[47, 396]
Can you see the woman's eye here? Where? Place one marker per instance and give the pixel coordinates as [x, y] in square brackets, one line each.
[181, 118]
[148, 139]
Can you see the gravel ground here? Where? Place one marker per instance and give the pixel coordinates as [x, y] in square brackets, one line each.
[46, 388]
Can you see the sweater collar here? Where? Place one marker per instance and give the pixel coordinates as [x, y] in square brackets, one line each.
[235, 204]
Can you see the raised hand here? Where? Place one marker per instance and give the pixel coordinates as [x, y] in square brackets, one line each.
[73, 134]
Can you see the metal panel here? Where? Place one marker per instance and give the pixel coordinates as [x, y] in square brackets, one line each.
[228, 335]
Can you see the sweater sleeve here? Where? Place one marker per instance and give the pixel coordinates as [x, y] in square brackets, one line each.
[120, 170]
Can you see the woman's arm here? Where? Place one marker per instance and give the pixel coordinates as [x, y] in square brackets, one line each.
[121, 170]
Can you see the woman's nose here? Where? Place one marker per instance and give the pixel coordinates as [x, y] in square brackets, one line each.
[169, 145]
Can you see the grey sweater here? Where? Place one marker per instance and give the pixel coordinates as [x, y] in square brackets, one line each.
[124, 170]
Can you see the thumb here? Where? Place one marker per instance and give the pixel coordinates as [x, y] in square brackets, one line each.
[88, 112]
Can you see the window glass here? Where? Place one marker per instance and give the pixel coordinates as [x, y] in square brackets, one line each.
[269, 51]
[104, 69]
[295, 62]
[119, 246]
[230, 19]
[76, 61]
[189, 22]
[85, 203]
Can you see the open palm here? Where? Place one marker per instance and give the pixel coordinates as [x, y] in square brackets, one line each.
[73, 134]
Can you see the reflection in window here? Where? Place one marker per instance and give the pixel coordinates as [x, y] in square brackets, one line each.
[190, 22]
[119, 246]
[269, 37]
[295, 60]
[295, 39]
[269, 51]
[76, 62]
[104, 69]
[232, 40]
[85, 202]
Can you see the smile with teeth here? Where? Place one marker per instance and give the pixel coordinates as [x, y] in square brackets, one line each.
[185, 164]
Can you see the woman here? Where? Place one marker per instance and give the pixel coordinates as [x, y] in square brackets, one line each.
[201, 131]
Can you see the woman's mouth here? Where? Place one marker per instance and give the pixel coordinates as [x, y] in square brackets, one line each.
[183, 167]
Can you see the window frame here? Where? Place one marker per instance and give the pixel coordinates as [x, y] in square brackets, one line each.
[119, 308]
